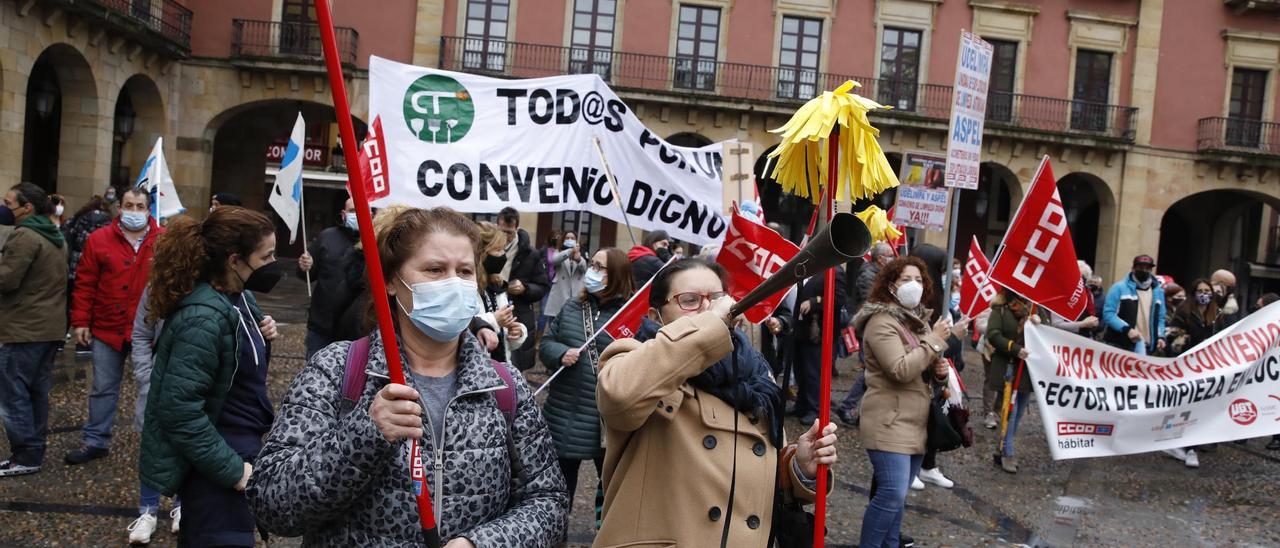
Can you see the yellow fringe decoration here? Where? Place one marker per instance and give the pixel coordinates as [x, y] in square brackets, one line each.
[877, 221]
[801, 158]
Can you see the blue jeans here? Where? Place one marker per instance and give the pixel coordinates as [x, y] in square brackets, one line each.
[882, 521]
[26, 375]
[104, 393]
[854, 398]
[1019, 408]
[316, 342]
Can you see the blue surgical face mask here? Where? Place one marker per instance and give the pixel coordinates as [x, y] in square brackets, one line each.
[349, 219]
[570, 244]
[442, 309]
[593, 281]
[955, 299]
[133, 220]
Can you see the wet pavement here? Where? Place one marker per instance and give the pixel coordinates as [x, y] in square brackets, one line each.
[1233, 499]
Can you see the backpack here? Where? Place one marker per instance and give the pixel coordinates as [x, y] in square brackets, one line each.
[353, 380]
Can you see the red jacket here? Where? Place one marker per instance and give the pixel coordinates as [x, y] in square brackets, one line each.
[109, 282]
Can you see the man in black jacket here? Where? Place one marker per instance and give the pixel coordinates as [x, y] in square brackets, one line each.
[808, 340]
[337, 268]
[525, 273]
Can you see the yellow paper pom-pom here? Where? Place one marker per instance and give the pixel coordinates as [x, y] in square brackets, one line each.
[800, 161]
[882, 230]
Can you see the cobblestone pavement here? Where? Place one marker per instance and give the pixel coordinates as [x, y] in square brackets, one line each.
[1139, 500]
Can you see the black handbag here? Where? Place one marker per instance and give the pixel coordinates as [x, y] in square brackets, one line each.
[792, 524]
[948, 427]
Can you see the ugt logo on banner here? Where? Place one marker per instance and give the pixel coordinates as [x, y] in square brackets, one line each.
[438, 109]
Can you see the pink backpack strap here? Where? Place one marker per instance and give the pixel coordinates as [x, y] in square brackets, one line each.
[507, 396]
[907, 335]
[353, 376]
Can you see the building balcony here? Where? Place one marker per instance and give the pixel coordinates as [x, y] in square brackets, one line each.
[782, 88]
[1238, 136]
[288, 44]
[160, 24]
[1242, 7]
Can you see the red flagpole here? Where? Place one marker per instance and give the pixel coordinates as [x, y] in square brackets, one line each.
[373, 265]
[828, 331]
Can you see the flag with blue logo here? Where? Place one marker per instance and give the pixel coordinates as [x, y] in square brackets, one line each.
[156, 180]
[286, 196]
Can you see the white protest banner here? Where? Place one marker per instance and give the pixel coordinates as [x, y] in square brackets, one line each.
[968, 111]
[1099, 401]
[479, 144]
[154, 177]
[922, 199]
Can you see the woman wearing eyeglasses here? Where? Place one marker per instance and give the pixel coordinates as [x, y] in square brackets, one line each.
[684, 435]
[571, 400]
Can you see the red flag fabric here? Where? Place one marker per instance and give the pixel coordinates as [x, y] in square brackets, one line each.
[977, 291]
[750, 254]
[373, 158]
[1037, 258]
[626, 322]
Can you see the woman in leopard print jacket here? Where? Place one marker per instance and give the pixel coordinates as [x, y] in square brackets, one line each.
[339, 475]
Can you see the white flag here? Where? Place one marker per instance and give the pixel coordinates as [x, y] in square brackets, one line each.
[157, 181]
[286, 196]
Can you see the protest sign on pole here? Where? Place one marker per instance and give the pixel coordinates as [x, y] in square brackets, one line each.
[478, 144]
[922, 198]
[968, 111]
[750, 255]
[1037, 258]
[156, 180]
[1097, 400]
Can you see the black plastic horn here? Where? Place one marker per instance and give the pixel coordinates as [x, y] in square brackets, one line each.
[844, 239]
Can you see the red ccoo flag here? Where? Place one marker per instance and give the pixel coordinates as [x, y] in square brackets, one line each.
[751, 253]
[373, 160]
[1037, 258]
[977, 290]
[626, 323]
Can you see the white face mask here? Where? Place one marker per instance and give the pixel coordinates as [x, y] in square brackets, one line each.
[57, 211]
[909, 294]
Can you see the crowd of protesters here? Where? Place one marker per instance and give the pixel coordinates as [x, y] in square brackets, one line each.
[476, 305]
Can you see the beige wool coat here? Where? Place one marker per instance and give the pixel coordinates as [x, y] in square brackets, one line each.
[668, 446]
[895, 409]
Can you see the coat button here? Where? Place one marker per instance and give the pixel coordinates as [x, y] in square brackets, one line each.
[714, 513]
[709, 442]
[670, 409]
[753, 522]
[758, 449]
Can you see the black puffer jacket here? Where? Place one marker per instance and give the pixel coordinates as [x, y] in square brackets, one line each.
[335, 480]
[530, 269]
[571, 403]
[338, 273]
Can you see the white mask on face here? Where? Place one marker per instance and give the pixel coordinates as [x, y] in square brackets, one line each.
[909, 294]
[57, 211]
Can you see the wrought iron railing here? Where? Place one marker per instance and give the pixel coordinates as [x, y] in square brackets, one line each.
[166, 18]
[1238, 135]
[278, 40]
[689, 75]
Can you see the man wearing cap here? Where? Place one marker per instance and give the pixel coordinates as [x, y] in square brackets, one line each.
[1134, 310]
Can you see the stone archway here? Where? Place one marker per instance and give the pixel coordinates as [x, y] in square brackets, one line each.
[1229, 228]
[788, 210]
[62, 130]
[1091, 216]
[689, 139]
[985, 213]
[138, 120]
[241, 137]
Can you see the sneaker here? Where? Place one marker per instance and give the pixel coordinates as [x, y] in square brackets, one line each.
[991, 421]
[916, 484]
[1191, 461]
[905, 541]
[1176, 454]
[175, 515]
[1009, 464]
[935, 477]
[86, 454]
[141, 529]
[10, 468]
[847, 417]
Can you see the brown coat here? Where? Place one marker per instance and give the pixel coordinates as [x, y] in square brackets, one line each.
[895, 409]
[667, 462]
[33, 288]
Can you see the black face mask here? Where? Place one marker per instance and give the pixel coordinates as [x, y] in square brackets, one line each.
[494, 264]
[264, 278]
[663, 253]
[1141, 276]
[6, 216]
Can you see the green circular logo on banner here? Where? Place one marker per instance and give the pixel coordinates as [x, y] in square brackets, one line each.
[438, 109]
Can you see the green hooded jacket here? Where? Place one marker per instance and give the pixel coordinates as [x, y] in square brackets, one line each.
[33, 283]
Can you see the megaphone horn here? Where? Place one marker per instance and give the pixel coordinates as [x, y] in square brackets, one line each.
[844, 239]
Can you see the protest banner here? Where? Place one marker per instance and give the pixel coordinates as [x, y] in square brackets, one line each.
[1097, 400]
[750, 255]
[478, 144]
[1037, 258]
[922, 198]
[968, 112]
[154, 178]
